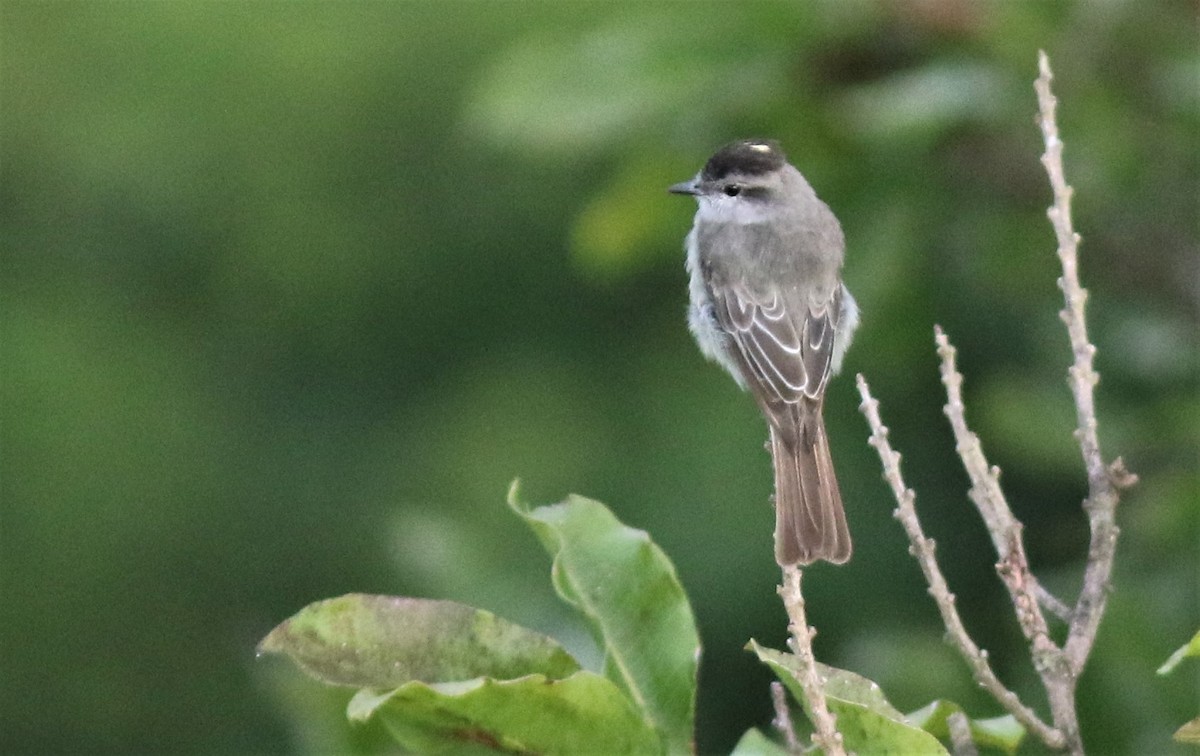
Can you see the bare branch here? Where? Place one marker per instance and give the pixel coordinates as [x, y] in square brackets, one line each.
[1082, 377]
[826, 737]
[1058, 667]
[1052, 603]
[960, 735]
[783, 717]
[923, 549]
[1103, 480]
[1002, 525]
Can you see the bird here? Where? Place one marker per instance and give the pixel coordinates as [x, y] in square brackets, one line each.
[767, 303]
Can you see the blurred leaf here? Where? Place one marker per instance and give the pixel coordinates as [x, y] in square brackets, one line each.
[315, 715]
[622, 228]
[1177, 81]
[1028, 419]
[1150, 344]
[583, 713]
[755, 743]
[1001, 733]
[1189, 650]
[555, 93]
[383, 641]
[924, 102]
[1189, 733]
[867, 722]
[626, 588]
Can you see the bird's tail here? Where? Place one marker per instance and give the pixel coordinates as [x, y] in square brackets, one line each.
[810, 523]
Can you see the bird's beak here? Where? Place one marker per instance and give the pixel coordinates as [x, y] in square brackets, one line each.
[685, 187]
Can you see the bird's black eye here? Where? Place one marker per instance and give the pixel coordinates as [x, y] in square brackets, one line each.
[732, 190]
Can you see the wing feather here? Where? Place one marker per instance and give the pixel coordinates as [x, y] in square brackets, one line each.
[785, 354]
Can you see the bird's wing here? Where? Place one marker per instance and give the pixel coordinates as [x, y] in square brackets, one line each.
[785, 354]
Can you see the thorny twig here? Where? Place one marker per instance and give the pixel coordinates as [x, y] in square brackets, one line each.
[960, 735]
[1013, 567]
[783, 717]
[826, 737]
[1104, 481]
[922, 549]
[1058, 666]
[1003, 526]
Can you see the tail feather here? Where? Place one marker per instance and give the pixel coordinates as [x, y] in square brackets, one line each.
[810, 523]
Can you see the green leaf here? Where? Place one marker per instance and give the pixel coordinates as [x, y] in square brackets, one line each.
[868, 723]
[755, 743]
[626, 74]
[384, 641]
[583, 713]
[1190, 649]
[315, 715]
[923, 102]
[614, 235]
[627, 590]
[1189, 733]
[1000, 733]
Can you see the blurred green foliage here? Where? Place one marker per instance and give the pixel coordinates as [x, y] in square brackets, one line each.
[291, 291]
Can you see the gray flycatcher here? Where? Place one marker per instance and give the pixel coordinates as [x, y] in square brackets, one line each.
[768, 304]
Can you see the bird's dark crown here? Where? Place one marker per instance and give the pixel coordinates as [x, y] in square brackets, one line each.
[748, 157]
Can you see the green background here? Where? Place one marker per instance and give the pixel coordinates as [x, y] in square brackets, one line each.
[292, 291]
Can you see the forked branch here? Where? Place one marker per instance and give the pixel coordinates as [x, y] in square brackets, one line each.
[1058, 666]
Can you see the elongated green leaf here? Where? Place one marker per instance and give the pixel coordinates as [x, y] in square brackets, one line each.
[1189, 649]
[583, 713]
[1000, 733]
[384, 641]
[868, 723]
[755, 743]
[627, 590]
